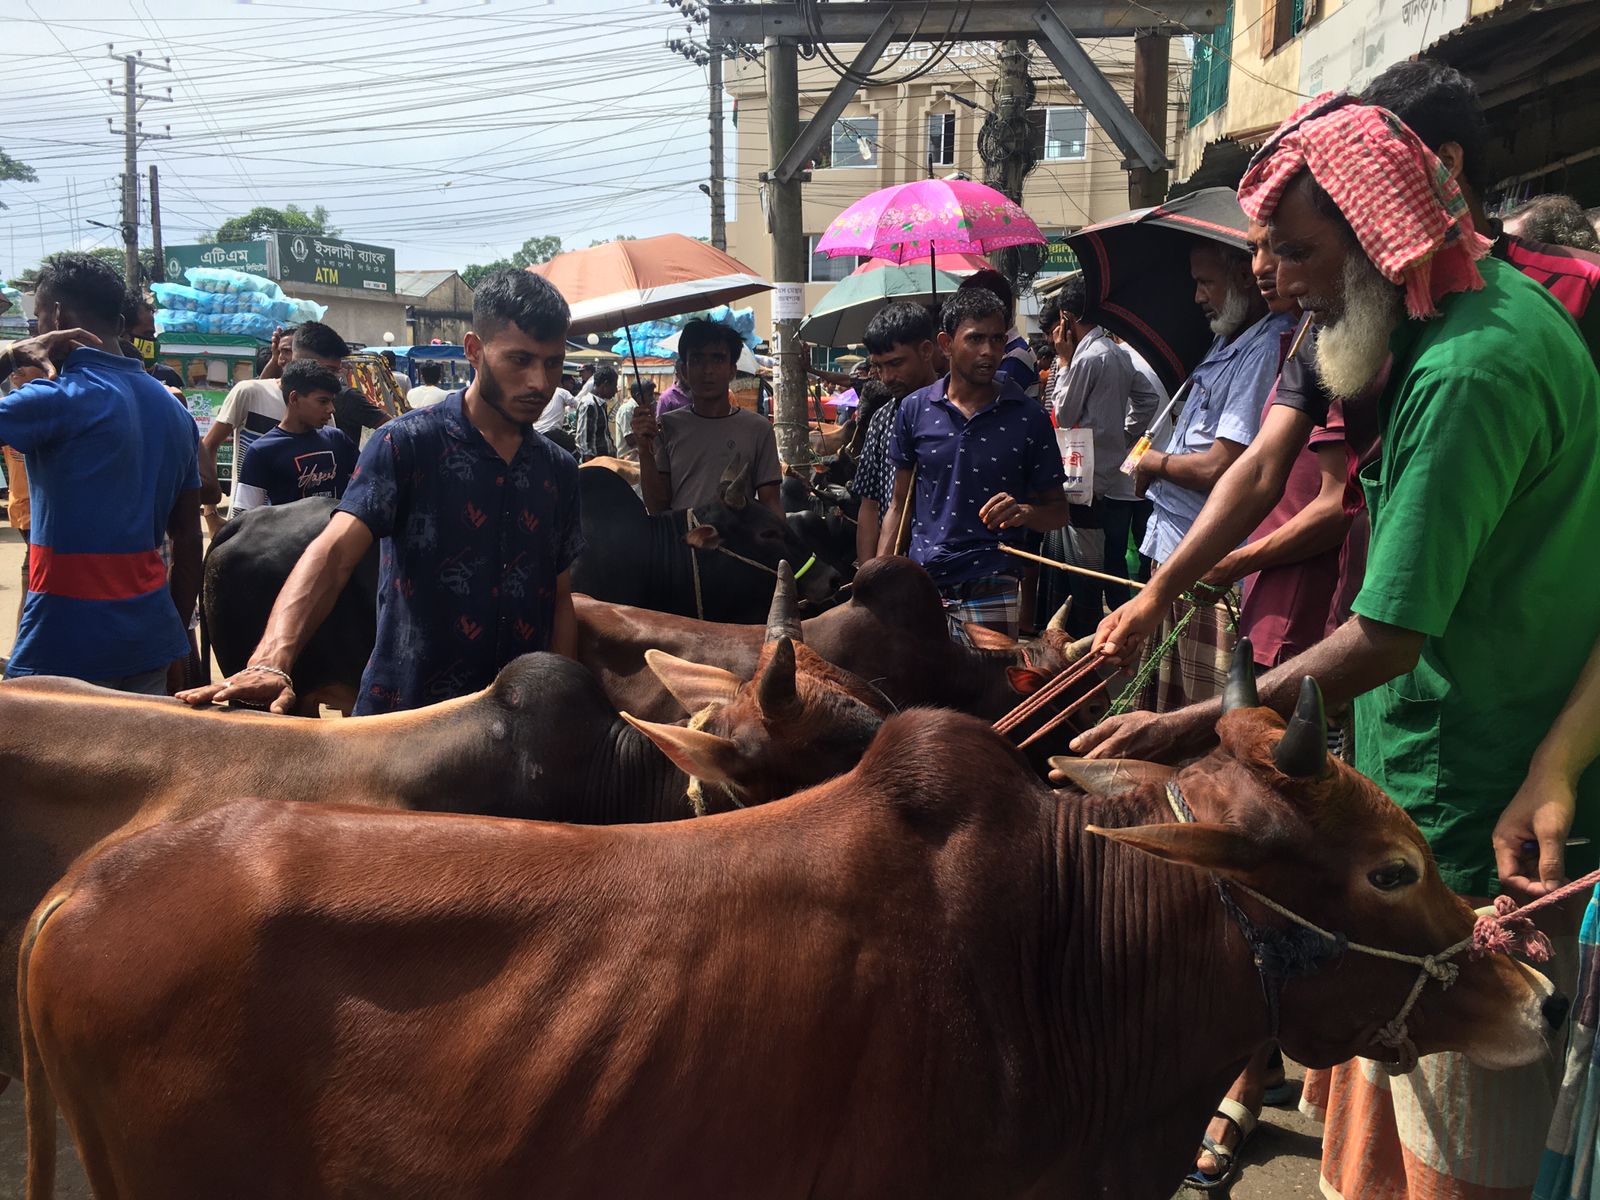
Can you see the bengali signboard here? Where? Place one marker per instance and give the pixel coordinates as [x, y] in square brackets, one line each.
[250, 257]
[1354, 43]
[333, 262]
[1058, 258]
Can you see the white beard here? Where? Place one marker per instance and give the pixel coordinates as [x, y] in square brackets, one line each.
[1231, 318]
[1351, 350]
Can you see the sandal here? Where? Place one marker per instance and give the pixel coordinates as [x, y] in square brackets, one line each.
[1242, 1119]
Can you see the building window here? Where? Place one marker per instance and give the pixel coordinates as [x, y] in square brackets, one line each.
[1283, 21]
[1208, 79]
[1059, 133]
[825, 269]
[942, 139]
[854, 143]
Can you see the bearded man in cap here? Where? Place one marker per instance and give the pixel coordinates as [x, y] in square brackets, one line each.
[1478, 604]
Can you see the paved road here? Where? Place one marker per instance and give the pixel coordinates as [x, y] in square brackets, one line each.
[1280, 1162]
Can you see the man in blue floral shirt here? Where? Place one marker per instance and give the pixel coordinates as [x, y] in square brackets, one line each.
[477, 516]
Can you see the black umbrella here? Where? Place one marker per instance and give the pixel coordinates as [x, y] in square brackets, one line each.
[1136, 274]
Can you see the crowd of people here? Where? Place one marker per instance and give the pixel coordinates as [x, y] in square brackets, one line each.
[1381, 474]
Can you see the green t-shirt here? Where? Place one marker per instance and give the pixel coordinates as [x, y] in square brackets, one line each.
[1485, 537]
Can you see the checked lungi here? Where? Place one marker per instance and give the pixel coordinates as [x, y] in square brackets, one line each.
[995, 602]
[1196, 667]
[1446, 1130]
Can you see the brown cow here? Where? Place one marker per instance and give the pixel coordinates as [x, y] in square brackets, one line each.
[930, 977]
[83, 764]
[892, 633]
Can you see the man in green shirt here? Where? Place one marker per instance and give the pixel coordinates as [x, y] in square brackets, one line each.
[1480, 597]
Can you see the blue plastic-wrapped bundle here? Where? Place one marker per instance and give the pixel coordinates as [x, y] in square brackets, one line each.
[223, 281]
[176, 296]
[307, 310]
[178, 320]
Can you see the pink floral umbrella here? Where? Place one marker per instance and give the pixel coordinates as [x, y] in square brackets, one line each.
[928, 218]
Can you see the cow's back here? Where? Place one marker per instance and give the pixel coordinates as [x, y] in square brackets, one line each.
[785, 1001]
[246, 567]
[615, 566]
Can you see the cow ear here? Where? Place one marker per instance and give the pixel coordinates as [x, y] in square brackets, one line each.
[703, 537]
[698, 754]
[1109, 776]
[693, 685]
[1218, 848]
[1025, 681]
[985, 638]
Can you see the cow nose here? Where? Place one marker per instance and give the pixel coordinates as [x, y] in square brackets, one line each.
[1554, 1010]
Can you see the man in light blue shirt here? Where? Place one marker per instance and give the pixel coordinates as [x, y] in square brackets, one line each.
[1220, 417]
[1227, 392]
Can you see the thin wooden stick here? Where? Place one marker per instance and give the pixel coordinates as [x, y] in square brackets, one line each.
[1066, 712]
[1048, 692]
[1061, 566]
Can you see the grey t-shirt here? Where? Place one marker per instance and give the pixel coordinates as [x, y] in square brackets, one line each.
[696, 450]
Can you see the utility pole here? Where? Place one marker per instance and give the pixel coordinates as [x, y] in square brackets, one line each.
[719, 214]
[132, 98]
[788, 253]
[1005, 142]
[1151, 51]
[160, 273]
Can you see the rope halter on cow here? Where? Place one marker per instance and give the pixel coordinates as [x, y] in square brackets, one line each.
[693, 522]
[1283, 954]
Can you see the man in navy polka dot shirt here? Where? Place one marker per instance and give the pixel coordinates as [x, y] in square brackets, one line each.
[978, 463]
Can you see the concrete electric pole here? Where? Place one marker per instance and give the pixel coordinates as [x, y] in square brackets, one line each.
[160, 254]
[788, 253]
[132, 136]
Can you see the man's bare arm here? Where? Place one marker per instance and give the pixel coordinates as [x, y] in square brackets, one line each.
[210, 488]
[890, 533]
[867, 528]
[1359, 656]
[183, 528]
[1198, 472]
[1320, 526]
[564, 624]
[1242, 497]
[308, 596]
[771, 495]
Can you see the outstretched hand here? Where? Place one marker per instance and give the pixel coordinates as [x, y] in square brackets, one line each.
[1123, 632]
[1530, 838]
[251, 685]
[1149, 737]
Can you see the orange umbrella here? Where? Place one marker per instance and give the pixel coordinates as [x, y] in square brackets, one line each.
[647, 279]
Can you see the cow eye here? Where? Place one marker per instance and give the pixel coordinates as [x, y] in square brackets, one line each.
[1393, 875]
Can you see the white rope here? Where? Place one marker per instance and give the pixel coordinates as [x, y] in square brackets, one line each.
[1395, 1034]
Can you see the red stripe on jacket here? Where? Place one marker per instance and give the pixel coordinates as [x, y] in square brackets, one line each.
[95, 576]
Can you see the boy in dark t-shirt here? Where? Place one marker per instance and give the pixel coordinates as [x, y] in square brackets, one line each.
[303, 456]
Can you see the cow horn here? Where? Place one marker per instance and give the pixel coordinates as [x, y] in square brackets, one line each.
[1302, 751]
[1059, 621]
[775, 691]
[736, 483]
[783, 618]
[1241, 690]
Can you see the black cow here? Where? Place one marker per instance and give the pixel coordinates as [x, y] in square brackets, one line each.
[246, 567]
[654, 561]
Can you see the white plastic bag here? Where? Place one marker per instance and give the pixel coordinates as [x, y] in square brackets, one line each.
[1077, 459]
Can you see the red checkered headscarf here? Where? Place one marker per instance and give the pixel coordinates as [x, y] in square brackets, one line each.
[1407, 213]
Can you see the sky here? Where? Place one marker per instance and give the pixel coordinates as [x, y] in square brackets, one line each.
[451, 130]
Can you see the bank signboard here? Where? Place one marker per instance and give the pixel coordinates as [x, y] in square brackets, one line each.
[250, 257]
[333, 262]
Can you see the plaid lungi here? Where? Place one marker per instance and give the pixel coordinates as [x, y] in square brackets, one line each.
[994, 601]
[1568, 1171]
[1446, 1130]
[1196, 667]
